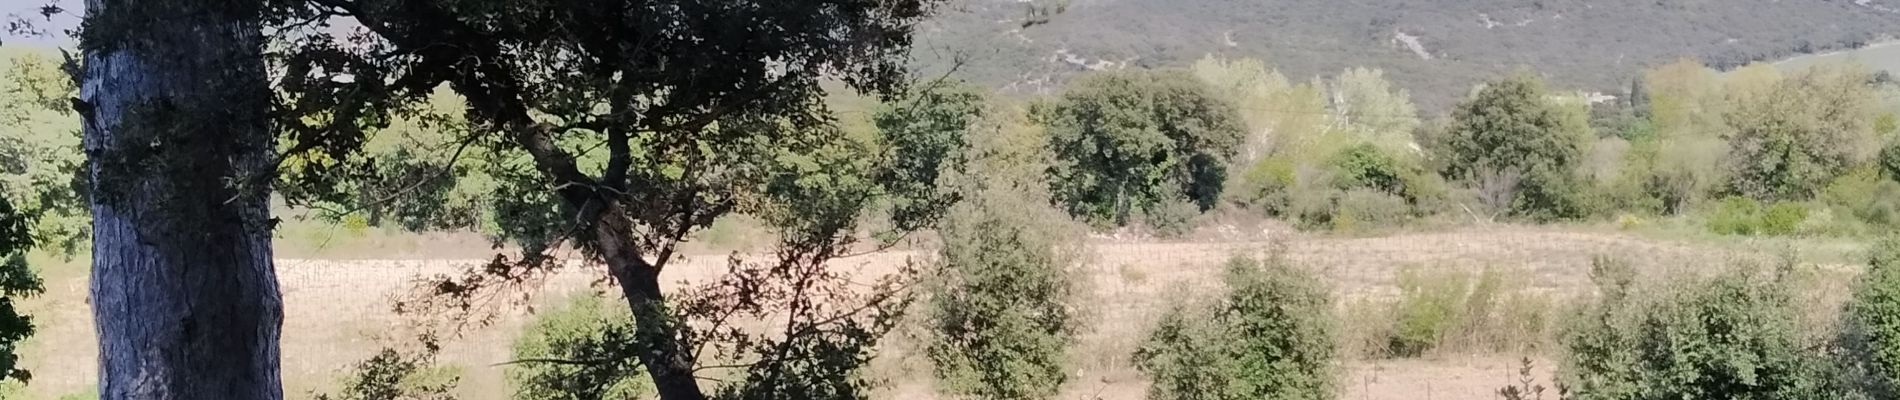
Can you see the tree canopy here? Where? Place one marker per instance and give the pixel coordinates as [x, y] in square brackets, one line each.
[1514, 144]
[17, 281]
[1794, 135]
[1134, 141]
[626, 127]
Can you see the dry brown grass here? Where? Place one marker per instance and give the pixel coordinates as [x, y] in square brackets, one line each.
[336, 310]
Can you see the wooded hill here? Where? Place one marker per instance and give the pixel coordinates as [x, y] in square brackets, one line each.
[1435, 48]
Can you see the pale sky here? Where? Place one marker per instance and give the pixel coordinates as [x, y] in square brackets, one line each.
[29, 10]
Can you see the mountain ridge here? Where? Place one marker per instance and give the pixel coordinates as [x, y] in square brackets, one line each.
[1436, 49]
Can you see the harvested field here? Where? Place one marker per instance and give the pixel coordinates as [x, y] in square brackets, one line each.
[338, 312]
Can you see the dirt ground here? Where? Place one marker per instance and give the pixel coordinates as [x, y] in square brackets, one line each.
[338, 312]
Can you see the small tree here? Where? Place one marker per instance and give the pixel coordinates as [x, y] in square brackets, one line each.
[1002, 305]
[625, 127]
[40, 154]
[1384, 114]
[1796, 135]
[1269, 337]
[1126, 142]
[1518, 148]
[1889, 161]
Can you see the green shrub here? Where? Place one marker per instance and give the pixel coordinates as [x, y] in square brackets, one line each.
[1187, 357]
[1431, 307]
[393, 375]
[1171, 219]
[1269, 337]
[1364, 166]
[1732, 336]
[1890, 160]
[17, 282]
[1356, 210]
[1788, 141]
[1312, 210]
[1125, 141]
[1866, 196]
[88, 394]
[1873, 321]
[1744, 216]
[1512, 140]
[600, 337]
[1783, 218]
[1002, 311]
[1735, 215]
[1361, 210]
[1266, 186]
[1425, 191]
[1462, 310]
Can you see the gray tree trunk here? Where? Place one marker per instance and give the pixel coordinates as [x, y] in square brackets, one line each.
[184, 295]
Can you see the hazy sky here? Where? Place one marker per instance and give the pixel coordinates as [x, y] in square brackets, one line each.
[29, 10]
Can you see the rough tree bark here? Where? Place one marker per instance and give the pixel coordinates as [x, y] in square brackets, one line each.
[184, 295]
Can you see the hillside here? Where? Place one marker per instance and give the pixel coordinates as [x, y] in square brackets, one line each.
[1435, 48]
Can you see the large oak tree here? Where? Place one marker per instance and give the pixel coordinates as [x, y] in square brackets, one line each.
[634, 124]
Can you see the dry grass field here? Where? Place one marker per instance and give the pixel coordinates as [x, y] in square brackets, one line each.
[338, 311]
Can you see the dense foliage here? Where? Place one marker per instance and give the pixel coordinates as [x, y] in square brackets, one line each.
[17, 281]
[1518, 149]
[39, 148]
[1731, 336]
[1873, 320]
[1002, 305]
[577, 351]
[1131, 142]
[1268, 337]
[623, 129]
[1794, 135]
[397, 375]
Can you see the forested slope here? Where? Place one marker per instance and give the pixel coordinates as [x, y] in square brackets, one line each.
[1587, 44]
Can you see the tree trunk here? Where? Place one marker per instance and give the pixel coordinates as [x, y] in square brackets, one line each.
[184, 295]
[668, 359]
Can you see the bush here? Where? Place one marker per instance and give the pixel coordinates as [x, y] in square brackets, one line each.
[17, 282]
[1002, 311]
[1429, 307]
[1361, 210]
[1866, 196]
[1873, 325]
[1783, 218]
[1127, 141]
[395, 375]
[1733, 336]
[1462, 310]
[1744, 216]
[1369, 167]
[1791, 139]
[1266, 186]
[1517, 147]
[1171, 219]
[1357, 210]
[1735, 216]
[1364, 166]
[1890, 160]
[585, 329]
[1267, 338]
